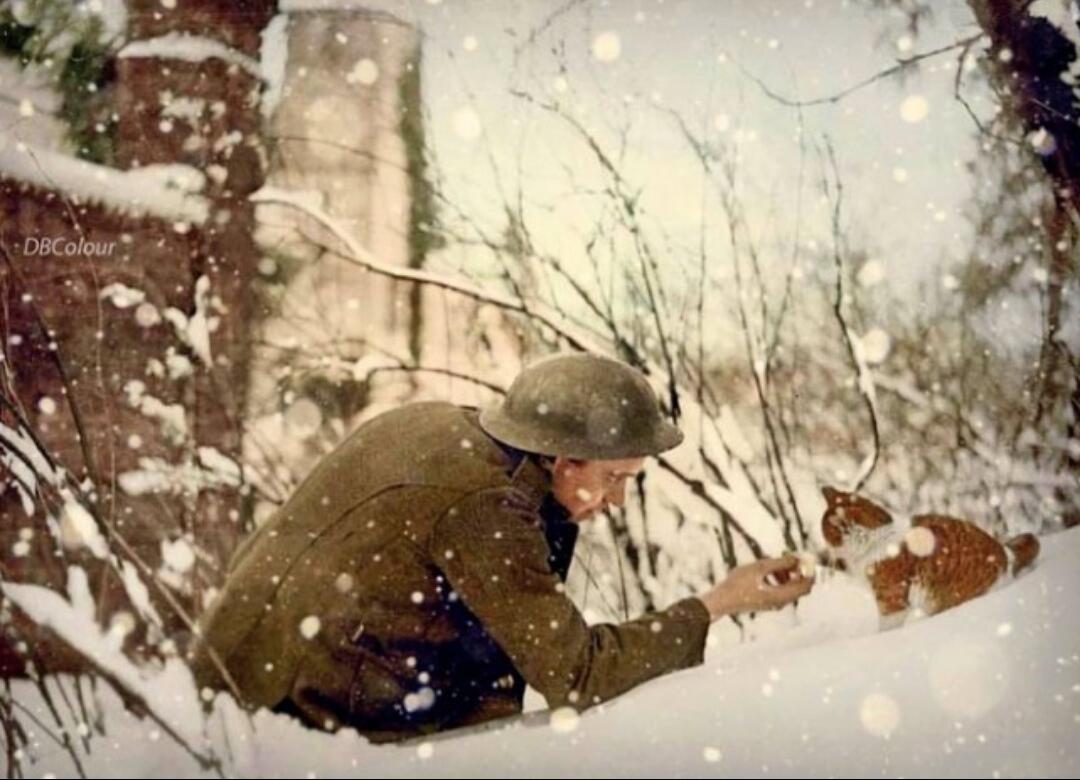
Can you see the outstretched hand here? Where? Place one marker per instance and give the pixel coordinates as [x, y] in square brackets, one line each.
[770, 583]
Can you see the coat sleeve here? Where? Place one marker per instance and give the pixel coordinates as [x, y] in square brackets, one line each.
[491, 548]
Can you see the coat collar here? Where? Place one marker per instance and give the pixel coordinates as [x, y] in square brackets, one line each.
[529, 475]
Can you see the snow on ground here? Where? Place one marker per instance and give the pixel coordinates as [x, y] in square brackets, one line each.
[989, 689]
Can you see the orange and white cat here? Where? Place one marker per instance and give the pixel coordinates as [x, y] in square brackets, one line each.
[935, 564]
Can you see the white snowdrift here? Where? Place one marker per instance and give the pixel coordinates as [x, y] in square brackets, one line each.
[991, 688]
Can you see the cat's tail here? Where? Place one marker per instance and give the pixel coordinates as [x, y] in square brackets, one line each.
[1024, 548]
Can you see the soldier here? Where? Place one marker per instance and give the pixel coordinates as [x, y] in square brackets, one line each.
[414, 581]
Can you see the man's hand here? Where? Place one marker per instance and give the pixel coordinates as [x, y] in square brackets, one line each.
[770, 583]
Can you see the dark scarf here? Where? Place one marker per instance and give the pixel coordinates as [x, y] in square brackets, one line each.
[560, 531]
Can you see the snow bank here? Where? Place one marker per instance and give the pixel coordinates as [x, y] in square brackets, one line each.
[991, 688]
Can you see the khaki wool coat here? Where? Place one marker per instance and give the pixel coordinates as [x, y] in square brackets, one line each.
[414, 583]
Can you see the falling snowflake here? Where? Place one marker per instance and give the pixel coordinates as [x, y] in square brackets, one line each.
[871, 273]
[1042, 142]
[310, 627]
[365, 72]
[900, 175]
[875, 345]
[879, 714]
[920, 541]
[344, 582]
[470, 43]
[147, 315]
[914, 109]
[420, 701]
[606, 47]
[711, 755]
[564, 720]
[467, 124]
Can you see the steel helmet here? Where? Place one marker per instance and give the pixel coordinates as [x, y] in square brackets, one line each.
[581, 406]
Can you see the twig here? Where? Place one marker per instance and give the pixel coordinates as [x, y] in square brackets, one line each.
[864, 379]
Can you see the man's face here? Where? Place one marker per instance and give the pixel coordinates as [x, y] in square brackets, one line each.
[586, 487]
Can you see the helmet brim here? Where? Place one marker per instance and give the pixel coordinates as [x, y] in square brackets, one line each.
[663, 437]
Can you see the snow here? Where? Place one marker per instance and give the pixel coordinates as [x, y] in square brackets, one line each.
[467, 124]
[178, 555]
[156, 475]
[920, 541]
[190, 48]
[168, 690]
[914, 109]
[291, 6]
[79, 529]
[1042, 142]
[365, 72]
[172, 416]
[147, 315]
[113, 15]
[814, 693]
[310, 627]
[607, 46]
[733, 435]
[875, 345]
[273, 59]
[871, 273]
[121, 296]
[195, 331]
[165, 191]
[225, 470]
[139, 594]
[26, 463]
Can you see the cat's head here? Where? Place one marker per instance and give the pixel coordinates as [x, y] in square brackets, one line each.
[850, 526]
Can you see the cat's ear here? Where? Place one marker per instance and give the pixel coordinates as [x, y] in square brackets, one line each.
[869, 514]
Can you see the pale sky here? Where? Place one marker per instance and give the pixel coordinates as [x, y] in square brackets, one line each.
[901, 146]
